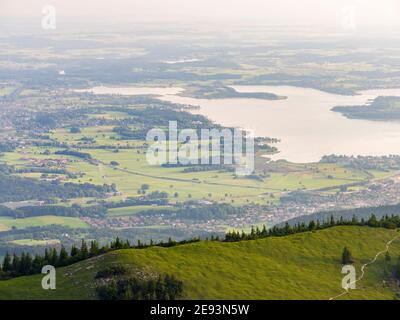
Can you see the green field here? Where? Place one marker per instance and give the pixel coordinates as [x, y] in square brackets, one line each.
[5, 91]
[133, 171]
[33, 242]
[127, 211]
[301, 266]
[7, 223]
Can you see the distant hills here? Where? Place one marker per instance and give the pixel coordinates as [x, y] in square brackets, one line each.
[347, 214]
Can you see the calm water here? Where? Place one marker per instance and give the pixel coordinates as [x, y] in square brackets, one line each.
[304, 123]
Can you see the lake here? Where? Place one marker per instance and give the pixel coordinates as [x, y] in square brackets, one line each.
[303, 122]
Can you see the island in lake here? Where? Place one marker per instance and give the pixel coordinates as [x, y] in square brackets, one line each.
[380, 109]
[219, 91]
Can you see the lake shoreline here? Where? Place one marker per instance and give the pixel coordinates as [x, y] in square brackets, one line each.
[304, 123]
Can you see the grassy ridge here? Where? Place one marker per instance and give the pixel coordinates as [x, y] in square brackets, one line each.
[300, 266]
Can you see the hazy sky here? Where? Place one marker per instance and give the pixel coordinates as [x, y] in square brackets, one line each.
[315, 12]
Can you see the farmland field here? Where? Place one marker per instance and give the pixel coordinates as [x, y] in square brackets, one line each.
[33, 242]
[10, 223]
[133, 171]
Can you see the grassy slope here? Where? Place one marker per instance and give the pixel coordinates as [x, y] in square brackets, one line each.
[302, 266]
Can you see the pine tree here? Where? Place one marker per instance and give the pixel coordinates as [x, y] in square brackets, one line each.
[252, 233]
[15, 264]
[288, 229]
[264, 231]
[84, 253]
[372, 222]
[117, 244]
[74, 251]
[346, 257]
[7, 263]
[94, 248]
[22, 264]
[354, 220]
[63, 256]
[53, 257]
[37, 264]
[46, 255]
[25, 266]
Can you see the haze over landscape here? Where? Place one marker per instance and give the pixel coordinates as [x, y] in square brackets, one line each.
[313, 89]
[231, 13]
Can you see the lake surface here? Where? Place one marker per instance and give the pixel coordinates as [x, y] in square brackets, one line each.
[304, 123]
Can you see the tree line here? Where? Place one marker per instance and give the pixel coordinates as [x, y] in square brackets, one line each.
[347, 214]
[388, 222]
[165, 287]
[14, 188]
[96, 211]
[74, 153]
[25, 264]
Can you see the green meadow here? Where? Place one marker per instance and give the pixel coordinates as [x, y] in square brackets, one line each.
[127, 211]
[5, 91]
[33, 242]
[7, 223]
[300, 266]
[133, 170]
